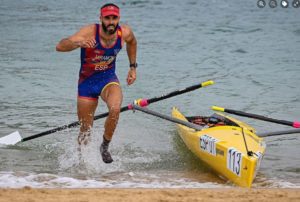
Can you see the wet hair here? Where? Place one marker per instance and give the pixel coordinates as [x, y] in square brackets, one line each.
[110, 4]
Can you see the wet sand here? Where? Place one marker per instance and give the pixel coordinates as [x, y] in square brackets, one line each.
[144, 195]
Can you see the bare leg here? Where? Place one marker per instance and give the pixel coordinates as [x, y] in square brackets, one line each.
[85, 109]
[112, 95]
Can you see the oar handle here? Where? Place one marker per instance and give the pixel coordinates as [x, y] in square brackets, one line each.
[179, 92]
[146, 102]
[294, 124]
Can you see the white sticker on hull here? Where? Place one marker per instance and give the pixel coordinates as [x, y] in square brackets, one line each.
[259, 159]
[259, 156]
[208, 144]
[234, 161]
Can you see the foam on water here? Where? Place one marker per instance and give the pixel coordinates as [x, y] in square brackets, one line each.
[87, 159]
[129, 180]
[43, 180]
[262, 182]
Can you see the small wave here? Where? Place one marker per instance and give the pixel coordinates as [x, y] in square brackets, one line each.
[124, 180]
[223, 30]
[262, 182]
[240, 50]
[253, 30]
[44, 180]
[297, 32]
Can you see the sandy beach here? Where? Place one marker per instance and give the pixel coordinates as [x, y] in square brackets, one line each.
[82, 195]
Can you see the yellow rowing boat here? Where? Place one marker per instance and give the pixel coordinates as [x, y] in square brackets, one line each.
[233, 150]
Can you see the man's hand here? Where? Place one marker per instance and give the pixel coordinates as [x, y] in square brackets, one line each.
[131, 76]
[88, 43]
[84, 38]
[68, 44]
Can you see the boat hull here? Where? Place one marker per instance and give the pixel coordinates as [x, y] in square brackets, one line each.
[234, 152]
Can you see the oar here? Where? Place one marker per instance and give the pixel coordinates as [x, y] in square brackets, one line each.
[294, 124]
[276, 133]
[197, 127]
[169, 118]
[15, 137]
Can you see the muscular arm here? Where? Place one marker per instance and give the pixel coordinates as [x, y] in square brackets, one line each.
[131, 47]
[83, 38]
[131, 43]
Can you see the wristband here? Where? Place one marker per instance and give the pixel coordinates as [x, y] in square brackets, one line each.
[134, 65]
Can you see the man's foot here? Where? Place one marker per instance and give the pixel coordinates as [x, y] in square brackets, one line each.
[106, 157]
[84, 138]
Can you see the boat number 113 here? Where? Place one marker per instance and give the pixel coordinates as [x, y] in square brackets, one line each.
[234, 161]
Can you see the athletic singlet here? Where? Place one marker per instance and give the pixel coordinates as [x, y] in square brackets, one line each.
[98, 67]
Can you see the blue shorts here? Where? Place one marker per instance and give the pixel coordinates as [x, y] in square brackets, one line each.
[92, 87]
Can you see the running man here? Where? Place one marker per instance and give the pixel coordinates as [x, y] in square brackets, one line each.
[100, 44]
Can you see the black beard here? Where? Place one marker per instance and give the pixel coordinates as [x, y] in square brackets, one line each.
[109, 32]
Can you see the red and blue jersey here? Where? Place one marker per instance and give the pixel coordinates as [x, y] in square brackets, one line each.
[98, 66]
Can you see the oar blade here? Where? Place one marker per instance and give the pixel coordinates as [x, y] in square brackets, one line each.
[11, 139]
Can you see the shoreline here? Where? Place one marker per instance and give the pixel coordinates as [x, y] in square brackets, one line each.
[145, 195]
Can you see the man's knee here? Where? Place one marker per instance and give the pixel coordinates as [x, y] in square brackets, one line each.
[114, 111]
